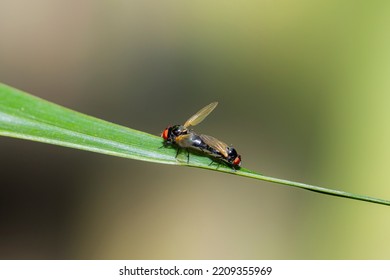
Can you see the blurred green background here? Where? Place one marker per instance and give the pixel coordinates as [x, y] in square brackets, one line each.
[303, 88]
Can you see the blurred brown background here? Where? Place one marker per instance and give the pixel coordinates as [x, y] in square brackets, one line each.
[303, 88]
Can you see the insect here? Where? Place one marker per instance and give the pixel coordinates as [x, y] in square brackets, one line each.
[183, 137]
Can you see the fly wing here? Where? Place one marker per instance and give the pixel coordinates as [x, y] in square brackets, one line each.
[215, 144]
[201, 115]
[184, 141]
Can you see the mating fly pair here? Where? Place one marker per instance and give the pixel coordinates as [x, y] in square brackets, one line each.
[183, 137]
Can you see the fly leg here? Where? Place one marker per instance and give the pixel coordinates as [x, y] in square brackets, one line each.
[216, 162]
[177, 152]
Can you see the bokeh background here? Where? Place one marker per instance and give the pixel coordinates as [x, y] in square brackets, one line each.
[304, 91]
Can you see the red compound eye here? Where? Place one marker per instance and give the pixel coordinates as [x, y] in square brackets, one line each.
[164, 134]
[237, 161]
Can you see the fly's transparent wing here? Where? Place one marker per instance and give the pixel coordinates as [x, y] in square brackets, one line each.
[215, 144]
[201, 115]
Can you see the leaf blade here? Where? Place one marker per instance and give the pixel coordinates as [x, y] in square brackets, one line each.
[28, 117]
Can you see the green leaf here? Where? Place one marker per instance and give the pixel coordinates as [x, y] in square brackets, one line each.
[28, 117]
